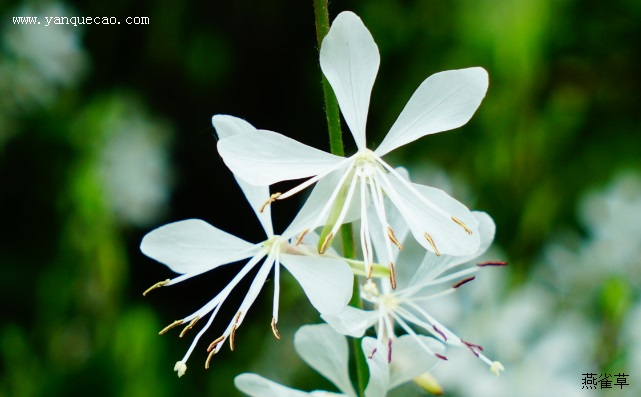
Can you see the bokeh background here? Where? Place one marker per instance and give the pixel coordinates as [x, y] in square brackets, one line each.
[105, 134]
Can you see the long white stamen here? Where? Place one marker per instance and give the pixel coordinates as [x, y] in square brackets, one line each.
[377, 198]
[200, 333]
[413, 189]
[417, 287]
[346, 205]
[276, 286]
[366, 242]
[320, 219]
[222, 295]
[410, 331]
[314, 179]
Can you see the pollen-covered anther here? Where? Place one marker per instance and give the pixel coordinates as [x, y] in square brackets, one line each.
[431, 241]
[270, 200]
[461, 224]
[157, 285]
[215, 343]
[392, 237]
[370, 269]
[189, 326]
[472, 347]
[440, 333]
[274, 329]
[170, 326]
[440, 356]
[465, 280]
[302, 235]
[328, 239]
[371, 354]
[392, 275]
[492, 263]
[232, 334]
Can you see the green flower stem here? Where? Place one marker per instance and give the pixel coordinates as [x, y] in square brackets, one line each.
[321, 15]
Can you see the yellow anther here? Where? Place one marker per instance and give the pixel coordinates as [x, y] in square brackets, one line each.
[370, 269]
[461, 224]
[170, 326]
[300, 238]
[274, 329]
[431, 241]
[328, 239]
[392, 236]
[153, 287]
[392, 275]
[270, 200]
[209, 357]
[213, 344]
[232, 335]
[189, 326]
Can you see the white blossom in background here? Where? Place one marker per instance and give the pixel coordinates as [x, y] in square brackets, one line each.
[193, 247]
[134, 163]
[43, 58]
[545, 350]
[612, 217]
[327, 352]
[37, 62]
[350, 59]
[421, 282]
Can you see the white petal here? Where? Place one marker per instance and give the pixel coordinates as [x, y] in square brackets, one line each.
[257, 386]
[351, 321]
[266, 157]
[326, 352]
[327, 282]
[349, 59]
[436, 219]
[409, 360]
[194, 246]
[228, 126]
[378, 368]
[444, 101]
[433, 266]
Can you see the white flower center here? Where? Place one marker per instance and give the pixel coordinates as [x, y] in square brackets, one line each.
[365, 163]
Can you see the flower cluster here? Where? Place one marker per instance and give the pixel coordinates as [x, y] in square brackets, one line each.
[396, 288]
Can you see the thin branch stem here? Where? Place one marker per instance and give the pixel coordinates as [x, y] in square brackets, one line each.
[321, 15]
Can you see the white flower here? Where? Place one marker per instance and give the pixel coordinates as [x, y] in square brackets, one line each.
[193, 247]
[327, 352]
[433, 278]
[349, 59]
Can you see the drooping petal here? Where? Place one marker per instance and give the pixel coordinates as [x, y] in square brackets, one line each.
[444, 101]
[327, 282]
[266, 157]
[228, 126]
[327, 352]
[408, 360]
[379, 375]
[194, 246]
[435, 220]
[257, 386]
[351, 321]
[349, 59]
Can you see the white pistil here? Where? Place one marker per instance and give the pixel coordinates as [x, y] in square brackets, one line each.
[180, 368]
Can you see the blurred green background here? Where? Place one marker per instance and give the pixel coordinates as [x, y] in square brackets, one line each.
[105, 134]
